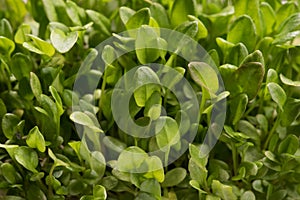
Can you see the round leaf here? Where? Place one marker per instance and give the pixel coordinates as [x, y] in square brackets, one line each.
[27, 157]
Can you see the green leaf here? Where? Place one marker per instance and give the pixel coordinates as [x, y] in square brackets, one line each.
[291, 110]
[50, 10]
[131, 159]
[146, 45]
[268, 18]
[249, 78]
[39, 46]
[272, 76]
[138, 19]
[144, 196]
[75, 13]
[57, 99]
[251, 8]
[7, 46]
[202, 31]
[198, 172]
[279, 195]
[153, 106]
[284, 12]
[197, 155]
[9, 124]
[248, 129]
[97, 163]
[76, 187]
[99, 192]
[83, 119]
[35, 139]
[27, 157]
[159, 13]
[223, 191]
[288, 30]
[174, 177]
[152, 187]
[34, 192]
[288, 81]
[108, 54]
[205, 76]
[225, 46]
[9, 173]
[277, 93]
[100, 21]
[146, 82]
[238, 107]
[289, 145]
[243, 30]
[248, 195]
[155, 169]
[125, 14]
[256, 56]
[6, 29]
[21, 34]
[62, 41]
[3, 110]
[35, 86]
[229, 77]
[168, 134]
[180, 11]
[237, 54]
[21, 66]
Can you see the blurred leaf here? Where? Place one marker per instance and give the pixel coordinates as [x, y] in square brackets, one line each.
[9, 124]
[152, 187]
[21, 34]
[99, 192]
[223, 191]
[248, 195]
[125, 14]
[289, 145]
[291, 110]
[7, 46]
[9, 173]
[6, 29]
[180, 11]
[159, 13]
[289, 29]
[288, 81]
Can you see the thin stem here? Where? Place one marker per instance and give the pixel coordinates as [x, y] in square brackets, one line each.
[272, 131]
[167, 158]
[234, 158]
[102, 93]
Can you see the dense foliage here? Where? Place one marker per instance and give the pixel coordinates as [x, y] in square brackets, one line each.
[255, 47]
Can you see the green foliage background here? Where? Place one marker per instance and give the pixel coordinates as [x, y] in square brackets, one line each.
[255, 45]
